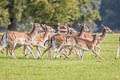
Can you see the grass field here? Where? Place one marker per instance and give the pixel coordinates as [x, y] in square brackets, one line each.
[90, 68]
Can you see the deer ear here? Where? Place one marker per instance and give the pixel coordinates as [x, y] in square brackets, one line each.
[102, 25]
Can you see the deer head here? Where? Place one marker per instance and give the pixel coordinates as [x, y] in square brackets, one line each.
[107, 29]
[85, 28]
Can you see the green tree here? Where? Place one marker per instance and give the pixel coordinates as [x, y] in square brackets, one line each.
[4, 14]
[89, 12]
[54, 11]
[45, 11]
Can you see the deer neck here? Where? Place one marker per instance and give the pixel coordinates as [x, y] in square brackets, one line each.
[68, 30]
[81, 32]
[45, 36]
[33, 33]
[104, 34]
[94, 41]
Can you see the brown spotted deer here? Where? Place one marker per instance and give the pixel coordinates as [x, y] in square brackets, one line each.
[40, 39]
[84, 44]
[61, 39]
[100, 38]
[80, 34]
[15, 38]
[75, 42]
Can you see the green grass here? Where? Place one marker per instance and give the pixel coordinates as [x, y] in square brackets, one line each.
[90, 68]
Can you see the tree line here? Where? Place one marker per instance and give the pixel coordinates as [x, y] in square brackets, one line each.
[71, 12]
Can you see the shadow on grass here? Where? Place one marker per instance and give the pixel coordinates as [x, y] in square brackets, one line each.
[5, 57]
[43, 59]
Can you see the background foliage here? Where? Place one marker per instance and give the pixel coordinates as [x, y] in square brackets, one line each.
[17, 12]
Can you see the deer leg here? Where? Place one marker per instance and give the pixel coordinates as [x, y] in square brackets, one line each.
[7, 50]
[24, 52]
[18, 46]
[46, 50]
[76, 53]
[97, 55]
[70, 51]
[60, 47]
[54, 47]
[98, 50]
[29, 49]
[117, 55]
[64, 53]
[1, 50]
[61, 52]
[38, 52]
[81, 54]
[49, 53]
[12, 47]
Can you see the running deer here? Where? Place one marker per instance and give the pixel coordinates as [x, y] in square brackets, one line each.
[84, 44]
[78, 43]
[90, 36]
[20, 38]
[60, 39]
[40, 39]
[80, 35]
[102, 37]
[104, 34]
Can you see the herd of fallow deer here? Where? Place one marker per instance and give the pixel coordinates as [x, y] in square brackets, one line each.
[62, 41]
